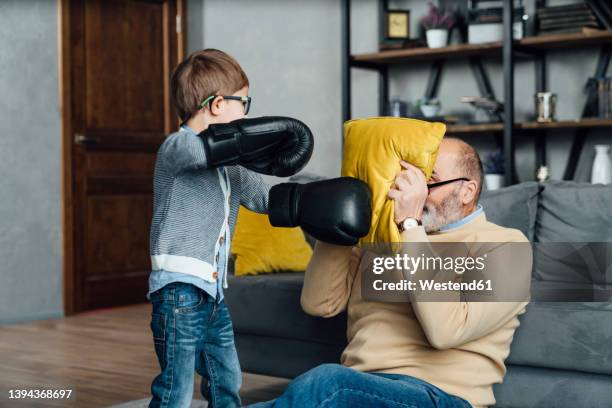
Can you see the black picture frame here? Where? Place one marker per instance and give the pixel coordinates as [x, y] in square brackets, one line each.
[387, 18]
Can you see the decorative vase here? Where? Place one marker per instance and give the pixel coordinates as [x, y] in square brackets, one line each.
[437, 37]
[429, 111]
[494, 181]
[602, 168]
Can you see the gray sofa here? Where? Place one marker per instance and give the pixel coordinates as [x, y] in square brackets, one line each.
[561, 355]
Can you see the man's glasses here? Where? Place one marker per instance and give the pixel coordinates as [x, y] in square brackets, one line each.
[246, 101]
[441, 183]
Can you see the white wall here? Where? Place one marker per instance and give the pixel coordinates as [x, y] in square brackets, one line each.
[30, 240]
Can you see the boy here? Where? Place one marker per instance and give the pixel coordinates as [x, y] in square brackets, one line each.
[196, 200]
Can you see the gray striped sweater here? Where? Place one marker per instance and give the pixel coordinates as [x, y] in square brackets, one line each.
[194, 206]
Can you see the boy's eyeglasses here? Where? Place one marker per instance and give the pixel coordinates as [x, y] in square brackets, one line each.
[246, 101]
[441, 183]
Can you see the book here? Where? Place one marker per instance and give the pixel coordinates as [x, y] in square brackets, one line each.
[586, 14]
[565, 9]
[561, 24]
[569, 26]
[583, 30]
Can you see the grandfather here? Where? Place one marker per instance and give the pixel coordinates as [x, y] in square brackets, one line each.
[417, 354]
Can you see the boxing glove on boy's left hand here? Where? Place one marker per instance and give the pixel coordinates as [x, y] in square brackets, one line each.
[337, 211]
[273, 145]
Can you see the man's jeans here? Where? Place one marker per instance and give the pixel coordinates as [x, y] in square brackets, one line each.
[333, 385]
[191, 333]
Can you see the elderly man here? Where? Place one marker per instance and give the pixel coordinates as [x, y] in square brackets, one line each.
[417, 354]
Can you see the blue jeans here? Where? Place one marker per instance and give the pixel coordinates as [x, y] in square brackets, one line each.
[193, 333]
[333, 385]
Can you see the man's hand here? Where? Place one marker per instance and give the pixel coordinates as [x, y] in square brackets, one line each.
[409, 193]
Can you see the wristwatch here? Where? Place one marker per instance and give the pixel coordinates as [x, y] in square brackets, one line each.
[408, 223]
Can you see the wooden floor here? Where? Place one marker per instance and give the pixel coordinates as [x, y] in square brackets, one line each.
[106, 357]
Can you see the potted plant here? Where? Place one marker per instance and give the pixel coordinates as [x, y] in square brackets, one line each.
[494, 170]
[437, 23]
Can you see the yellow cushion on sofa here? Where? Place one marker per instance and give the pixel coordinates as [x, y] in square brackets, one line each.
[258, 247]
[373, 149]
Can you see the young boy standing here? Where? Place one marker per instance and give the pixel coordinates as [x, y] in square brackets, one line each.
[201, 178]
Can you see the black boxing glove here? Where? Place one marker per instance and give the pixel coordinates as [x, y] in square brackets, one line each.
[273, 145]
[337, 211]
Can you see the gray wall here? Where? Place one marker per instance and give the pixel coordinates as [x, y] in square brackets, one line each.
[291, 52]
[30, 240]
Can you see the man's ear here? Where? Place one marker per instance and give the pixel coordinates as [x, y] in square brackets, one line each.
[217, 105]
[468, 192]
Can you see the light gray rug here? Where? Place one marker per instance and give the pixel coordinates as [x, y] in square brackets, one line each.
[144, 403]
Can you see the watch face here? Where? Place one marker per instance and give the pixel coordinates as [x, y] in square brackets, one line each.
[410, 223]
[397, 25]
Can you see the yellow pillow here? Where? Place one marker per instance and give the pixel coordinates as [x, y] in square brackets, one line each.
[258, 247]
[373, 148]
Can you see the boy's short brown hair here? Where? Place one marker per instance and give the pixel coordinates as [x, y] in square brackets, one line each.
[202, 74]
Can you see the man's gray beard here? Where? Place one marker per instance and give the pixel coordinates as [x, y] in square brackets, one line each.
[448, 211]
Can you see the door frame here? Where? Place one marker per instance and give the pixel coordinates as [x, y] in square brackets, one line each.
[65, 107]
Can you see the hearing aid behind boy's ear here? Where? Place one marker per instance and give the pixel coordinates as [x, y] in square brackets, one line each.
[273, 145]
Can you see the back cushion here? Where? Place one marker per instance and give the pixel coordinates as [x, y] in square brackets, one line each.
[574, 212]
[373, 149]
[574, 231]
[513, 207]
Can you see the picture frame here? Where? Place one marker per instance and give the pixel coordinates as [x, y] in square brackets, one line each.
[397, 25]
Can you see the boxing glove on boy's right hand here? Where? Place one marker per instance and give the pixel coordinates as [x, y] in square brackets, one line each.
[337, 211]
[273, 145]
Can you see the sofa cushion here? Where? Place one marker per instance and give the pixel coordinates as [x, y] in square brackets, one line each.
[553, 291]
[513, 207]
[565, 335]
[528, 387]
[269, 305]
[569, 215]
[574, 212]
[258, 247]
[282, 357]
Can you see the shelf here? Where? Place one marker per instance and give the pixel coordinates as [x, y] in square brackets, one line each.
[554, 41]
[426, 54]
[567, 124]
[475, 128]
[557, 125]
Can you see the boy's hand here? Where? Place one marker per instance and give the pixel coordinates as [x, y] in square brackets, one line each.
[274, 145]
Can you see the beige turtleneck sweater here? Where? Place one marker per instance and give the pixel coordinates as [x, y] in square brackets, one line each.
[460, 347]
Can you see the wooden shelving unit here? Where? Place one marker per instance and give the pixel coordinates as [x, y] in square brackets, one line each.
[533, 48]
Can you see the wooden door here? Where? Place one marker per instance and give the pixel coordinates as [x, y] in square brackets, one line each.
[116, 61]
